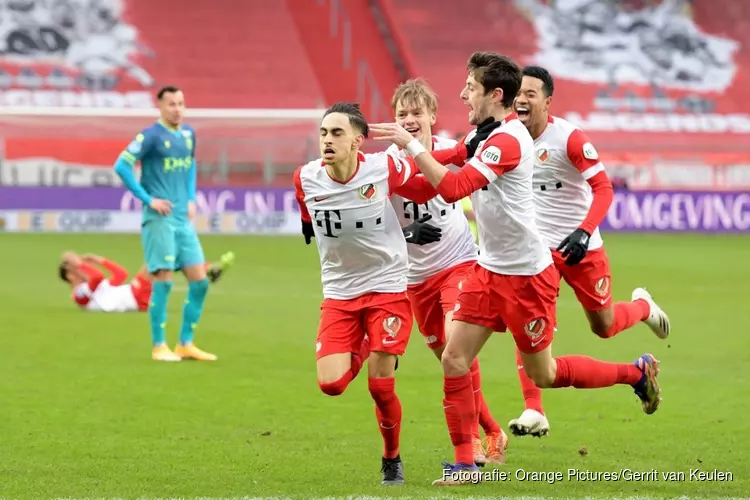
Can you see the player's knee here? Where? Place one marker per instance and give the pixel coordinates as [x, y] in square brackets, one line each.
[600, 323]
[542, 376]
[198, 288]
[454, 363]
[335, 388]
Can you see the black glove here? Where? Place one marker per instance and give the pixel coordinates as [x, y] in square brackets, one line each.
[576, 245]
[421, 233]
[483, 132]
[307, 232]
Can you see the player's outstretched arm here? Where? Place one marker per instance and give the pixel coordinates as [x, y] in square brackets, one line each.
[417, 189]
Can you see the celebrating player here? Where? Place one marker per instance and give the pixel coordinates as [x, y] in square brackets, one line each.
[572, 194]
[435, 270]
[515, 283]
[365, 315]
[93, 291]
[167, 188]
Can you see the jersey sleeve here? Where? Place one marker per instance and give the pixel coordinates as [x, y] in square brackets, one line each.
[118, 274]
[400, 170]
[138, 148]
[500, 153]
[299, 194]
[582, 155]
[95, 276]
[451, 156]
[417, 189]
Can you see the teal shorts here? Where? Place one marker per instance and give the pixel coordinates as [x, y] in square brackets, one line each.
[170, 245]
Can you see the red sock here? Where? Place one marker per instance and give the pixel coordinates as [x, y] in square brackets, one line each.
[388, 413]
[338, 387]
[532, 395]
[583, 372]
[484, 417]
[628, 314]
[359, 358]
[460, 415]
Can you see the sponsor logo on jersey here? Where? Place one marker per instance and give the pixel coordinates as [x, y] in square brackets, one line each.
[590, 152]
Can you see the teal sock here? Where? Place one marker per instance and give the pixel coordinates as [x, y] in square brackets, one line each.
[157, 311]
[191, 312]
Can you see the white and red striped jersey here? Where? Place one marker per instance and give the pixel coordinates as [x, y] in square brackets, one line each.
[565, 161]
[456, 244]
[100, 295]
[362, 248]
[509, 240]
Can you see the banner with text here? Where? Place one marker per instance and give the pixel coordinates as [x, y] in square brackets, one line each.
[275, 211]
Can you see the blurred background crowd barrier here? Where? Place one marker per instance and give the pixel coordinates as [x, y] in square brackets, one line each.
[662, 87]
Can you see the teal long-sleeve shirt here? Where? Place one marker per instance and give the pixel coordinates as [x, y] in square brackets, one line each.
[168, 168]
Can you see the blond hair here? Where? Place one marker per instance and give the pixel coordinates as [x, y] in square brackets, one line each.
[415, 92]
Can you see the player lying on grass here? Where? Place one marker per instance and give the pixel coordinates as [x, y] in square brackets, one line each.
[435, 271]
[167, 189]
[572, 194]
[515, 284]
[93, 291]
[365, 314]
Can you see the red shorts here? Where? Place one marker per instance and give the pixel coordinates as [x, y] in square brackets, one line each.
[525, 305]
[590, 279]
[385, 317]
[141, 287]
[432, 299]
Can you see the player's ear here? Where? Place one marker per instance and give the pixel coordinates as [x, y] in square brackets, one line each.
[433, 119]
[359, 140]
[497, 95]
[548, 101]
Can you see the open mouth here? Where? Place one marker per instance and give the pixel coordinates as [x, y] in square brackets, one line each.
[328, 153]
[414, 131]
[522, 111]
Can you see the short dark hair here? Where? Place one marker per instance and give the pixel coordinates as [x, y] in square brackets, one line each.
[548, 83]
[351, 109]
[168, 89]
[63, 272]
[496, 71]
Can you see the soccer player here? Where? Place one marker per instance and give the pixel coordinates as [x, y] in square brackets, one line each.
[167, 188]
[572, 194]
[93, 291]
[436, 270]
[515, 284]
[365, 314]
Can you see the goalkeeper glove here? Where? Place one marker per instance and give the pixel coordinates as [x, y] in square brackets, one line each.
[575, 246]
[421, 233]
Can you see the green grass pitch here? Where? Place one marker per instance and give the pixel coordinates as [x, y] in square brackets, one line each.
[86, 413]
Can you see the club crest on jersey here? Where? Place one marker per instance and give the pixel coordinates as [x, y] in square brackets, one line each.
[535, 328]
[589, 152]
[602, 287]
[542, 155]
[367, 191]
[392, 324]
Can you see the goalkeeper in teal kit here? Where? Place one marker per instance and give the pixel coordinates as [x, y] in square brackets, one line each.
[167, 189]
